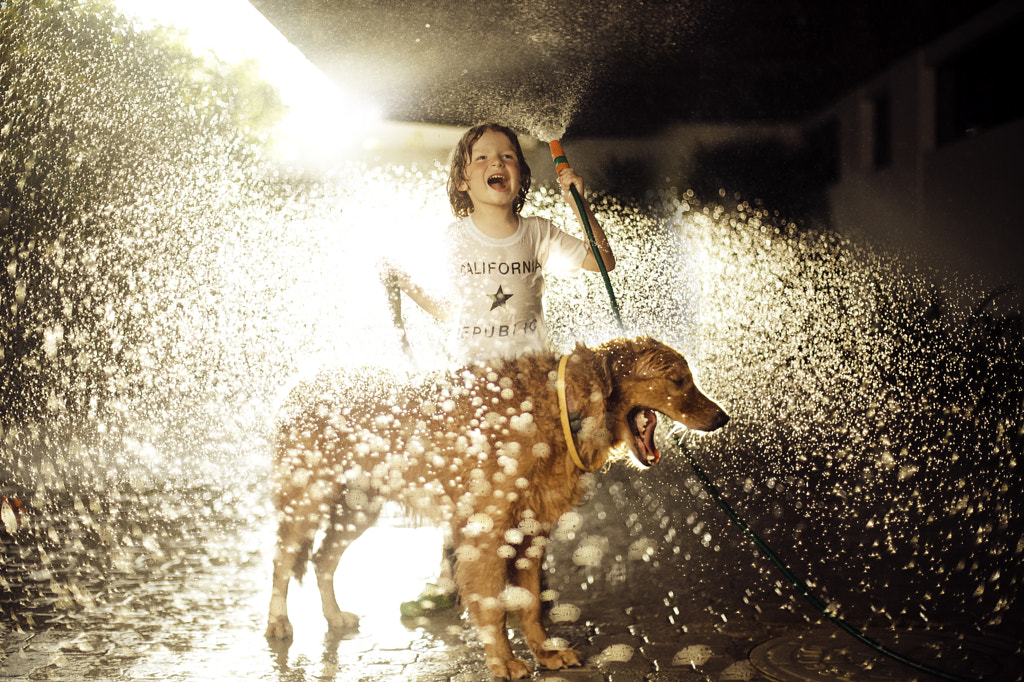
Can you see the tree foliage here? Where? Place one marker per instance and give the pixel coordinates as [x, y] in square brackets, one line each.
[121, 156]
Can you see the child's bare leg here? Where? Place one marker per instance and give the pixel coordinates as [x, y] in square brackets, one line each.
[438, 596]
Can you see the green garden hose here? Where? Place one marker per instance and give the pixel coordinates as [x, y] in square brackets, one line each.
[558, 156]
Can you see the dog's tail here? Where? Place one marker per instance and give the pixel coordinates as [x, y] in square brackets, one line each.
[305, 552]
[302, 558]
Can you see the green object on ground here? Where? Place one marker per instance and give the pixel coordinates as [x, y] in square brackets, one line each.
[430, 602]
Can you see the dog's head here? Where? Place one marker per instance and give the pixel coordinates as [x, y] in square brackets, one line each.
[647, 377]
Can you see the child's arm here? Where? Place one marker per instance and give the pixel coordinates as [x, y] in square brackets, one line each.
[433, 303]
[566, 178]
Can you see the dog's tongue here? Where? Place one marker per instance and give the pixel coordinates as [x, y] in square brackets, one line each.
[646, 443]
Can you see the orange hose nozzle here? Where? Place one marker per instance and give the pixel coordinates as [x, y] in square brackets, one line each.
[558, 156]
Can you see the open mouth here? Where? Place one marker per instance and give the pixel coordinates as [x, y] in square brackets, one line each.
[498, 182]
[642, 421]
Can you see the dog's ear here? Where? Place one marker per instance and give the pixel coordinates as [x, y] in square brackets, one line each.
[598, 368]
[605, 375]
[609, 356]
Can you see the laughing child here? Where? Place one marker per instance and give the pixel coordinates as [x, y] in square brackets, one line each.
[496, 260]
[495, 257]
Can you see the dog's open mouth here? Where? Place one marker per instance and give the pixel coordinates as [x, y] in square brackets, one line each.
[642, 421]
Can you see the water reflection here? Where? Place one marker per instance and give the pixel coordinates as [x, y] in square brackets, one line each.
[183, 587]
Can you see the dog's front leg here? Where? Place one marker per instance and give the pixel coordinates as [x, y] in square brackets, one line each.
[480, 575]
[527, 576]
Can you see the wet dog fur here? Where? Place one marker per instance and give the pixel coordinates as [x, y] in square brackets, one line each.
[481, 450]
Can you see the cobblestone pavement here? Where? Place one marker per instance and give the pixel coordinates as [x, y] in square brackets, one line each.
[648, 587]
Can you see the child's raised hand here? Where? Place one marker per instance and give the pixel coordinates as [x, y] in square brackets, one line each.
[567, 178]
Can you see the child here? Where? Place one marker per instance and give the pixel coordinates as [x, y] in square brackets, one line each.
[496, 258]
[496, 261]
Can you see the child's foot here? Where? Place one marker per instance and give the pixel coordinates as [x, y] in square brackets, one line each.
[431, 601]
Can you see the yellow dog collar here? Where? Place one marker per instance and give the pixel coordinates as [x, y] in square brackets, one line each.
[563, 412]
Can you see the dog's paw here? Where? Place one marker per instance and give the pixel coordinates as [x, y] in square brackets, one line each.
[279, 627]
[554, 659]
[511, 669]
[342, 620]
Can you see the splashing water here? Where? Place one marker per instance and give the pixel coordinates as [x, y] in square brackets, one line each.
[165, 321]
[874, 424]
[554, 100]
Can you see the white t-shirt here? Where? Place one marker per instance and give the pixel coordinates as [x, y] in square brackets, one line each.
[498, 285]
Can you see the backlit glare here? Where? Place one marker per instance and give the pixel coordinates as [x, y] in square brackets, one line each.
[322, 120]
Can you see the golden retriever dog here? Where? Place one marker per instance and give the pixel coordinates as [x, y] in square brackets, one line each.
[495, 452]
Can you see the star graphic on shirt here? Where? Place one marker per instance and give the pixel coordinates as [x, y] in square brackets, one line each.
[498, 299]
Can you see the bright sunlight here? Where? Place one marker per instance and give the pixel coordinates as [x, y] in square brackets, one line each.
[322, 121]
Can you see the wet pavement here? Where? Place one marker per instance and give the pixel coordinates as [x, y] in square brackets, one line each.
[174, 585]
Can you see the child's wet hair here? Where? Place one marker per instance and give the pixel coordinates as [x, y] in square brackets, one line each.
[462, 205]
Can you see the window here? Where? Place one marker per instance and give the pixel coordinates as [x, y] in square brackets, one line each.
[978, 88]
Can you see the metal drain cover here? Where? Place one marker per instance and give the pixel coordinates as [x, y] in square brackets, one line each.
[831, 655]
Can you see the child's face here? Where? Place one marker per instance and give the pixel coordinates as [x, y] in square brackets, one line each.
[492, 174]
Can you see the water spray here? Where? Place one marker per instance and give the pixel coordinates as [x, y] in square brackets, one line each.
[800, 585]
[558, 156]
